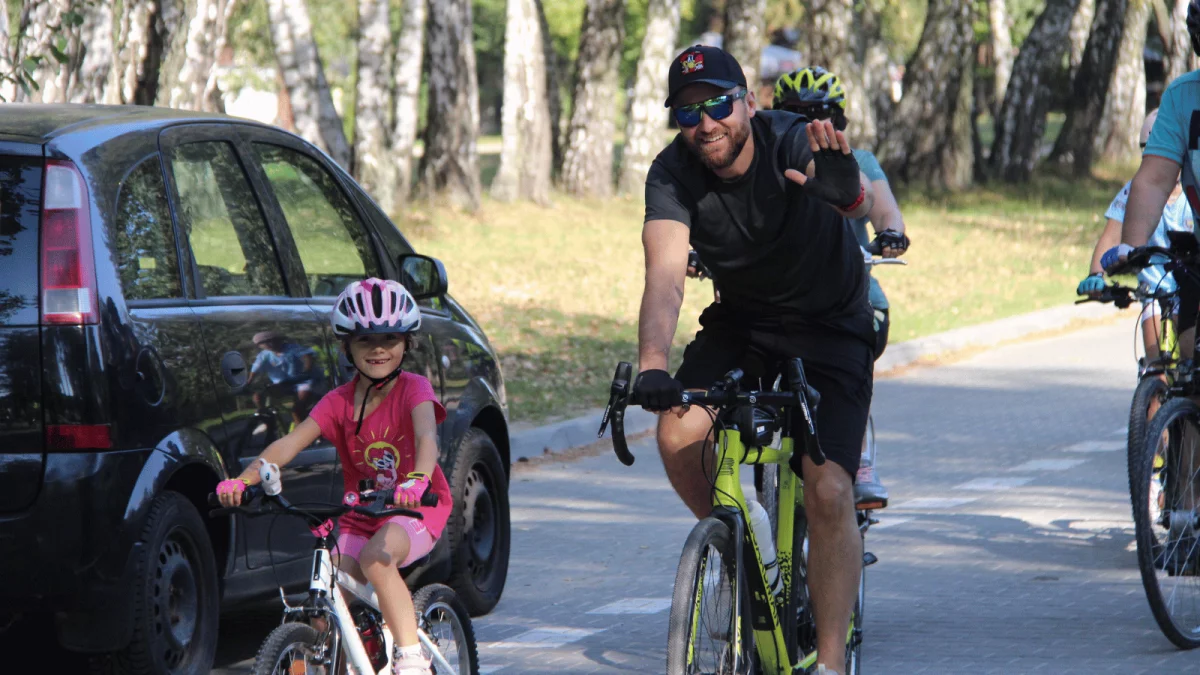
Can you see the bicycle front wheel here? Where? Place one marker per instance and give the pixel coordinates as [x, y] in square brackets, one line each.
[290, 649]
[1166, 500]
[442, 614]
[704, 636]
[1151, 392]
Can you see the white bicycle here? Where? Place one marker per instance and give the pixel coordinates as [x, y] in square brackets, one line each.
[338, 629]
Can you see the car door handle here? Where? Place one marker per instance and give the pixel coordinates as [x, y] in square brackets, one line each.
[233, 369]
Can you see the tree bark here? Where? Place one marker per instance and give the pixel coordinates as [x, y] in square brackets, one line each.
[1002, 50]
[1125, 107]
[525, 157]
[8, 89]
[839, 40]
[205, 39]
[410, 53]
[588, 157]
[872, 104]
[647, 116]
[554, 86]
[746, 35]
[373, 166]
[173, 31]
[44, 27]
[98, 57]
[300, 63]
[1081, 28]
[929, 138]
[450, 165]
[1179, 48]
[1021, 122]
[1090, 87]
[144, 31]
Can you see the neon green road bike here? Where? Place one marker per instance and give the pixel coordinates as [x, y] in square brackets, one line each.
[725, 619]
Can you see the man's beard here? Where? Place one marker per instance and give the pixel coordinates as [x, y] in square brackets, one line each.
[722, 160]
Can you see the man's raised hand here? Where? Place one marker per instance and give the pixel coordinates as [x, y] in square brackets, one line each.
[836, 174]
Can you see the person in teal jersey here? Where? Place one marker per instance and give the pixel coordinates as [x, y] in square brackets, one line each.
[817, 94]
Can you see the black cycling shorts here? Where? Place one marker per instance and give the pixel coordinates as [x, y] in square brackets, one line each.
[838, 365]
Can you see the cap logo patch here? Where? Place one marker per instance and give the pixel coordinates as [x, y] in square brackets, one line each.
[692, 62]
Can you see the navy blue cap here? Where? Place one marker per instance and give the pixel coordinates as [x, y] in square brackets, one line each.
[701, 64]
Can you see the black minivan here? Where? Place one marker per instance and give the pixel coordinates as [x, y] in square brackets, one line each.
[165, 284]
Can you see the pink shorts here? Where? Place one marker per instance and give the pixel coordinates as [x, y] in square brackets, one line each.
[420, 540]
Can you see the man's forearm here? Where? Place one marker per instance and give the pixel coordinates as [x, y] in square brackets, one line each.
[657, 321]
[868, 201]
[1152, 186]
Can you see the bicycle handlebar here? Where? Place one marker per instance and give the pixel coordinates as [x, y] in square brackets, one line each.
[723, 394]
[372, 505]
[1120, 296]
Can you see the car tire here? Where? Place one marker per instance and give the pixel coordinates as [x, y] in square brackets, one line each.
[479, 528]
[176, 598]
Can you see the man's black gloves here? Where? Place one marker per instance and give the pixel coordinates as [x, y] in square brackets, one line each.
[656, 390]
[837, 180]
[897, 241]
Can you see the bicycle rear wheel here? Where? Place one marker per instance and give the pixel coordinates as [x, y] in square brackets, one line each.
[291, 649]
[854, 640]
[1166, 510]
[704, 637]
[1150, 391]
[444, 617]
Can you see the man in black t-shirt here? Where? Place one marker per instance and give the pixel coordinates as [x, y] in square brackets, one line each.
[762, 196]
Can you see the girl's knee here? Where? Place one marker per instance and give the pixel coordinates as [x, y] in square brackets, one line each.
[386, 549]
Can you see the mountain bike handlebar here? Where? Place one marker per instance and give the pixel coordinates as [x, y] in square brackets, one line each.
[723, 394]
[1120, 296]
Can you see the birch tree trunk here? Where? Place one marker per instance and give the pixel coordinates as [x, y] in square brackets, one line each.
[872, 99]
[1021, 122]
[588, 157]
[1125, 107]
[8, 89]
[647, 116]
[1090, 87]
[450, 165]
[373, 165]
[1180, 46]
[44, 27]
[205, 40]
[1081, 28]
[143, 31]
[839, 41]
[525, 157]
[312, 104]
[97, 41]
[172, 28]
[410, 52]
[746, 35]
[929, 137]
[555, 70]
[1002, 50]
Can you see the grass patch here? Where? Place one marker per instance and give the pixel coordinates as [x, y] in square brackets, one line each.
[557, 289]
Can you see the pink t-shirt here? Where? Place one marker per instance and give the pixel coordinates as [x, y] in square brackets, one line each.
[384, 451]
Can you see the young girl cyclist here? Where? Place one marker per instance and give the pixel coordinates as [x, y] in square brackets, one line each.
[384, 425]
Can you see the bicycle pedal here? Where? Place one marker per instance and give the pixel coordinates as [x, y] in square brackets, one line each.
[871, 506]
[869, 559]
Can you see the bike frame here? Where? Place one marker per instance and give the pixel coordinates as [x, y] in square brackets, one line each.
[729, 505]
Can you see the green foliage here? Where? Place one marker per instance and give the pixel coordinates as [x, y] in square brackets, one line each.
[23, 70]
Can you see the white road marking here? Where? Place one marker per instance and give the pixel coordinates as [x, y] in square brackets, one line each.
[1123, 431]
[635, 606]
[885, 523]
[934, 502]
[543, 638]
[487, 670]
[999, 483]
[1048, 465]
[1096, 446]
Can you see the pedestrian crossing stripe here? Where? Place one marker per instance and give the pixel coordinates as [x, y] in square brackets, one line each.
[635, 606]
[998, 483]
[543, 638]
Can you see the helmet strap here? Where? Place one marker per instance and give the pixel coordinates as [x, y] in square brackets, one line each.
[377, 383]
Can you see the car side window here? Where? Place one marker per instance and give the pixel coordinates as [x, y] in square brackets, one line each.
[219, 216]
[141, 236]
[333, 245]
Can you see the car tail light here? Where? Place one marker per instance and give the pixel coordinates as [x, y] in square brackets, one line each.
[78, 437]
[68, 269]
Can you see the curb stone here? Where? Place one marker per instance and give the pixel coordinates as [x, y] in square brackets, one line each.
[580, 431]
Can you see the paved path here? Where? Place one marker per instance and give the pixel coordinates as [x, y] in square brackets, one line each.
[1008, 548]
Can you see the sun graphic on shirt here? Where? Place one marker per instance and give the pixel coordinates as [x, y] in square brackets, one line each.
[381, 456]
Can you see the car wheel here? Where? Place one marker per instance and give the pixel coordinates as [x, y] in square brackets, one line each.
[479, 527]
[176, 597]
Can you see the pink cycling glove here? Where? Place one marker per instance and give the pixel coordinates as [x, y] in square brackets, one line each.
[233, 486]
[409, 493]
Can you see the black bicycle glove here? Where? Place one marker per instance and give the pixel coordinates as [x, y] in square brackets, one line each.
[897, 241]
[837, 180]
[656, 390]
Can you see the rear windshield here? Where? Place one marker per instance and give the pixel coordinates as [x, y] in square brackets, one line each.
[20, 201]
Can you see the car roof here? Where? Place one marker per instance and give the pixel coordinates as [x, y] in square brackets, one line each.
[44, 122]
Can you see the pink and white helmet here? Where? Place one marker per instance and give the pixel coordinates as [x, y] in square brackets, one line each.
[375, 306]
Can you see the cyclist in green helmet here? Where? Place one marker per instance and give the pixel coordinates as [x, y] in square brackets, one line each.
[818, 94]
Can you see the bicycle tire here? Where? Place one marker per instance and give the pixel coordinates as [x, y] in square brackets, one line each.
[854, 647]
[688, 616]
[283, 643]
[1160, 563]
[1149, 389]
[438, 605]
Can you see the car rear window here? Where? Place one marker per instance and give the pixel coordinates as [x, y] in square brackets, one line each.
[20, 203]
